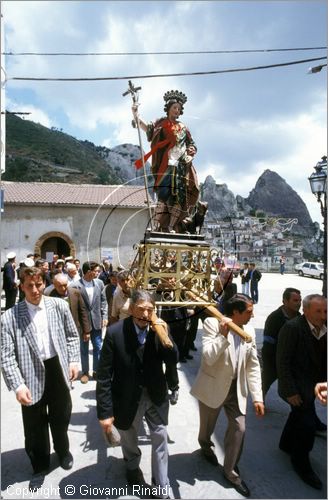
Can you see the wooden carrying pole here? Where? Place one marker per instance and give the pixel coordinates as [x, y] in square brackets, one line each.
[212, 311]
[158, 326]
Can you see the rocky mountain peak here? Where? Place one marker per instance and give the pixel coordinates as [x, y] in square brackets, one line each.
[221, 201]
[274, 196]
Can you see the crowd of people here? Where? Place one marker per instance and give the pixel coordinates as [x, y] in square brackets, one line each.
[54, 310]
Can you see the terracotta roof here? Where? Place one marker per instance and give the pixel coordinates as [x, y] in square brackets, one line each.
[46, 193]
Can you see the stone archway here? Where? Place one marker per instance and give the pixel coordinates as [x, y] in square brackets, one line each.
[56, 237]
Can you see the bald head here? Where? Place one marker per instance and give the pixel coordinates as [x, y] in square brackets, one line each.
[60, 283]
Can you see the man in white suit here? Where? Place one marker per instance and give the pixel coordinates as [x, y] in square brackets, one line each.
[40, 355]
[229, 369]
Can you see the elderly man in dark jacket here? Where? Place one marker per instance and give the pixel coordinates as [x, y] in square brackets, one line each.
[131, 385]
[301, 363]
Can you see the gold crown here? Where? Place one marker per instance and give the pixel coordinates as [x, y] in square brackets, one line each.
[175, 95]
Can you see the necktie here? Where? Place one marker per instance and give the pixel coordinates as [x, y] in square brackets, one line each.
[316, 331]
[142, 336]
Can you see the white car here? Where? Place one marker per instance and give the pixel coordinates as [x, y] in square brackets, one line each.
[313, 269]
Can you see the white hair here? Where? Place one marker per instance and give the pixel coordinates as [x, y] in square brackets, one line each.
[70, 266]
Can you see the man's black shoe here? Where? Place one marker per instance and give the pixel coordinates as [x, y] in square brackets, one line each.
[193, 348]
[135, 476]
[173, 397]
[210, 456]
[241, 487]
[36, 481]
[308, 476]
[67, 461]
[189, 356]
[182, 360]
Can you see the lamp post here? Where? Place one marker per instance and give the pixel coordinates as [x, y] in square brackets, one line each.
[318, 183]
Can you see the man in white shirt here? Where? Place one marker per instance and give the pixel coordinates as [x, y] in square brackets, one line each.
[229, 369]
[40, 356]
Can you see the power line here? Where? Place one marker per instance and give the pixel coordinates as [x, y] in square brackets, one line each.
[179, 52]
[15, 112]
[195, 73]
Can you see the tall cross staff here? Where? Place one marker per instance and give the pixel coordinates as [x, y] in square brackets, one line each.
[135, 99]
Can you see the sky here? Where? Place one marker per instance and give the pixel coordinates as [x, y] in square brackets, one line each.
[242, 122]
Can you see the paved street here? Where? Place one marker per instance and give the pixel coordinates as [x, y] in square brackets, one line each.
[266, 469]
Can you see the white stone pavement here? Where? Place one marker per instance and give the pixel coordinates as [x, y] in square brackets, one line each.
[98, 471]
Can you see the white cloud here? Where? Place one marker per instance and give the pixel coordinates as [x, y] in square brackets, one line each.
[36, 115]
[242, 123]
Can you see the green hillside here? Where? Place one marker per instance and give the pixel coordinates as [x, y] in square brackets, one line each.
[36, 153]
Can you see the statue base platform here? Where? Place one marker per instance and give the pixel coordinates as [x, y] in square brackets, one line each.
[171, 263]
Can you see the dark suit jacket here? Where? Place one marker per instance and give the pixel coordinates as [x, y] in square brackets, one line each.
[298, 362]
[121, 375]
[253, 277]
[9, 276]
[274, 322]
[77, 307]
[97, 311]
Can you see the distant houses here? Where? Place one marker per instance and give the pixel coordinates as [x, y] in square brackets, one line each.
[253, 239]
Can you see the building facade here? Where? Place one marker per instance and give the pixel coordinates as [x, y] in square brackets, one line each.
[90, 222]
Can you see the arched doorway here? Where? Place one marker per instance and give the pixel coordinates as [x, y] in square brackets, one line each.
[55, 242]
[56, 245]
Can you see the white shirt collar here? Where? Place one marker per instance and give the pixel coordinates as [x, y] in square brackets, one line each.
[323, 329]
[33, 307]
[87, 283]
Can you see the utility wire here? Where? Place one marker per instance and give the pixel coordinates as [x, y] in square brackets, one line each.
[15, 112]
[195, 73]
[179, 52]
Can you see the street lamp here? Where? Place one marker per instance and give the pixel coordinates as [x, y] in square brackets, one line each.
[318, 183]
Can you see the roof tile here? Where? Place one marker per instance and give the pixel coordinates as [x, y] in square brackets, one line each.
[46, 193]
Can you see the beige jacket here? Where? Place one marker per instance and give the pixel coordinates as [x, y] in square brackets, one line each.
[217, 368]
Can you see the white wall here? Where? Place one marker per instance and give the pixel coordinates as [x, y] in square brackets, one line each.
[89, 228]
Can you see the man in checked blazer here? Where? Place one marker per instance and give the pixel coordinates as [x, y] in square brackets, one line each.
[93, 294]
[40, 355]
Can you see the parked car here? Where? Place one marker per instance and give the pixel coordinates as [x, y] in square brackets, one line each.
[313, 269]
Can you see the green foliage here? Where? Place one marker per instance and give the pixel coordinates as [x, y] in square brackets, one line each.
[36, 153]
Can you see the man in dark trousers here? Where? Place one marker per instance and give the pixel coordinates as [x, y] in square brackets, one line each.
[131, 385]
[92, 291]
[291, 303]
[39, 356]
[254, 276]
[301, 364]
[9, 281]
